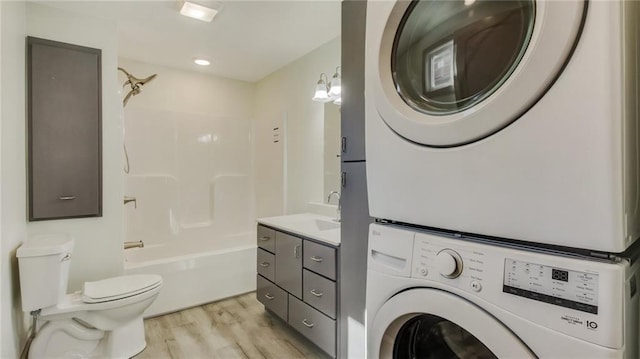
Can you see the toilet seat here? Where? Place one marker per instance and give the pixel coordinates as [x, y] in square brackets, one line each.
[122, 294]
[119, 287]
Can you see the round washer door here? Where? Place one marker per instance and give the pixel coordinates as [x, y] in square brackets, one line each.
[430, 323]
[448, 73]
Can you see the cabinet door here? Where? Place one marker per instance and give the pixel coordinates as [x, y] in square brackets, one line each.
[266, 238]
[64, 130]
[273, 297]
[289, 263]
[320, 259]
[352, 109]
[266, 264]
[317, 327]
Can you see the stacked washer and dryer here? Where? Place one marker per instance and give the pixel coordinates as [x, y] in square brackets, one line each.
[503, 152]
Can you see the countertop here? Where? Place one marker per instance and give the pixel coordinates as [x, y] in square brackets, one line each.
[321, 228]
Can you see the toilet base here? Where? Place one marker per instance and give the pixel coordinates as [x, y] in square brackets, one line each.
[68, 338]
[127, 340]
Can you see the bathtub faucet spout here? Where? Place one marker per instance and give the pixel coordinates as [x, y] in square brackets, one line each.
[128, 199]
[138, 244]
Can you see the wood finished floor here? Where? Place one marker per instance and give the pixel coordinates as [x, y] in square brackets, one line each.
[237, 327]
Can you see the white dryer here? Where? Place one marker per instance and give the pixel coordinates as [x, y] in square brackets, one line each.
[513, 119]
[429, 296]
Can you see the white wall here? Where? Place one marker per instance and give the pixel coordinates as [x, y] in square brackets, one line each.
[188, 137]
[101, 235]
[98, 251]
[283, 100]
[1, 269]
[13, 180]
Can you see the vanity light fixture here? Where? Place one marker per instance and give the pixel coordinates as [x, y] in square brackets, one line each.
[329, 91]
[322, 90]
[197, 12]
[202, 62]
[335, 87]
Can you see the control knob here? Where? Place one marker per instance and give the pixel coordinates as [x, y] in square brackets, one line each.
[449, 263]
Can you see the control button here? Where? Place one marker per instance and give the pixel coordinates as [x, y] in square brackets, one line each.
[424, 271]
[449, 263]
[476, 286]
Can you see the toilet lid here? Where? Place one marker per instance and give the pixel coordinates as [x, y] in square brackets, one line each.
[119, 287]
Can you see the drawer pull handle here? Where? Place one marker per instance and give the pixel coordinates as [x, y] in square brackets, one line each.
[269, 296]
[307, 324]
[265, 238]
[296, 251]
[316, 293]
[317, 259]
[265, 264]
[67, 198]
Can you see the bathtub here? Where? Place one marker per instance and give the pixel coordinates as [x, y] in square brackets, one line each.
[196, 270]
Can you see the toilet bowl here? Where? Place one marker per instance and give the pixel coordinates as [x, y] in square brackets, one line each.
[103, 320]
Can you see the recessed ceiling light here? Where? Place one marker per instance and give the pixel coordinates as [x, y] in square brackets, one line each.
[198, 12]
[202, 62]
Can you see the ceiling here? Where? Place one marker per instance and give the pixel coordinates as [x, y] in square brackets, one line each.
[247, 40]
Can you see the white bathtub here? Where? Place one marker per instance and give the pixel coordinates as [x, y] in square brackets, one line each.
[196, 270]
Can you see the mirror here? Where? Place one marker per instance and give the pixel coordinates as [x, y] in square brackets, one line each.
[332, 148]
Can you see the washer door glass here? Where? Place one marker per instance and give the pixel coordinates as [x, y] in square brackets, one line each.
[450, 55]
[431, 323]
[449, 73]
[431, 337]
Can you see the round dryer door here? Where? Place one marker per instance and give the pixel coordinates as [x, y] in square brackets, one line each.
[448, 73]
[429, 323]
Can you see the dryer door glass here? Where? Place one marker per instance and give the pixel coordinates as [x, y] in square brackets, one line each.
[429, 336]
[450, 55]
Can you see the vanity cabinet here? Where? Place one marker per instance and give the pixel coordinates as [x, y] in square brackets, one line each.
[288, 259]
[296, 281]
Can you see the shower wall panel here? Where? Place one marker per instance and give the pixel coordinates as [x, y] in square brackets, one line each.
[190, 173]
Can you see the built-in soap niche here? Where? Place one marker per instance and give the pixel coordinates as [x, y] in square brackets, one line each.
[64, 110]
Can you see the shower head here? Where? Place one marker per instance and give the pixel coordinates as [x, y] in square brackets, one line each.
[135, 84]
[134, 81]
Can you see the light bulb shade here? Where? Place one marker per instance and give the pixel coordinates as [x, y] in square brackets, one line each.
[335, 88]
[338, 101]
[321, 94]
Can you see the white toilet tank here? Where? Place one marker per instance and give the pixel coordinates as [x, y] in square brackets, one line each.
[43, 262]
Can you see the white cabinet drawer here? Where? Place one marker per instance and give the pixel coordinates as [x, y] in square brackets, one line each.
[319, 292]
[273, 297]
[266, 238]
[266, 264]
[320, 259]
[317, 327]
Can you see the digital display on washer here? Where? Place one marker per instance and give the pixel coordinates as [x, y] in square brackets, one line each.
[557, 286]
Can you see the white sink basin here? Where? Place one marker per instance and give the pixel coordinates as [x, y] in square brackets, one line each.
[309, 225]
[323, 225]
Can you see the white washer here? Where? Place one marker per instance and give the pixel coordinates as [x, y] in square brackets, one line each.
[513, 119]
[429, 296]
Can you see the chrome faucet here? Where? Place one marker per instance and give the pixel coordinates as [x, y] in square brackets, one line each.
[339, 204]
[128, 199]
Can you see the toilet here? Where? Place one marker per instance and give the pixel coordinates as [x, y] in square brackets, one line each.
[103, 320]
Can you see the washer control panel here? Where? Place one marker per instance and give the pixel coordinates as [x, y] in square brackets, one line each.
[566, 288]
[586, 299]
[458, 266]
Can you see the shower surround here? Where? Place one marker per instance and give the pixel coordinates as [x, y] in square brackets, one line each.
[190, 153]
[190, 175]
